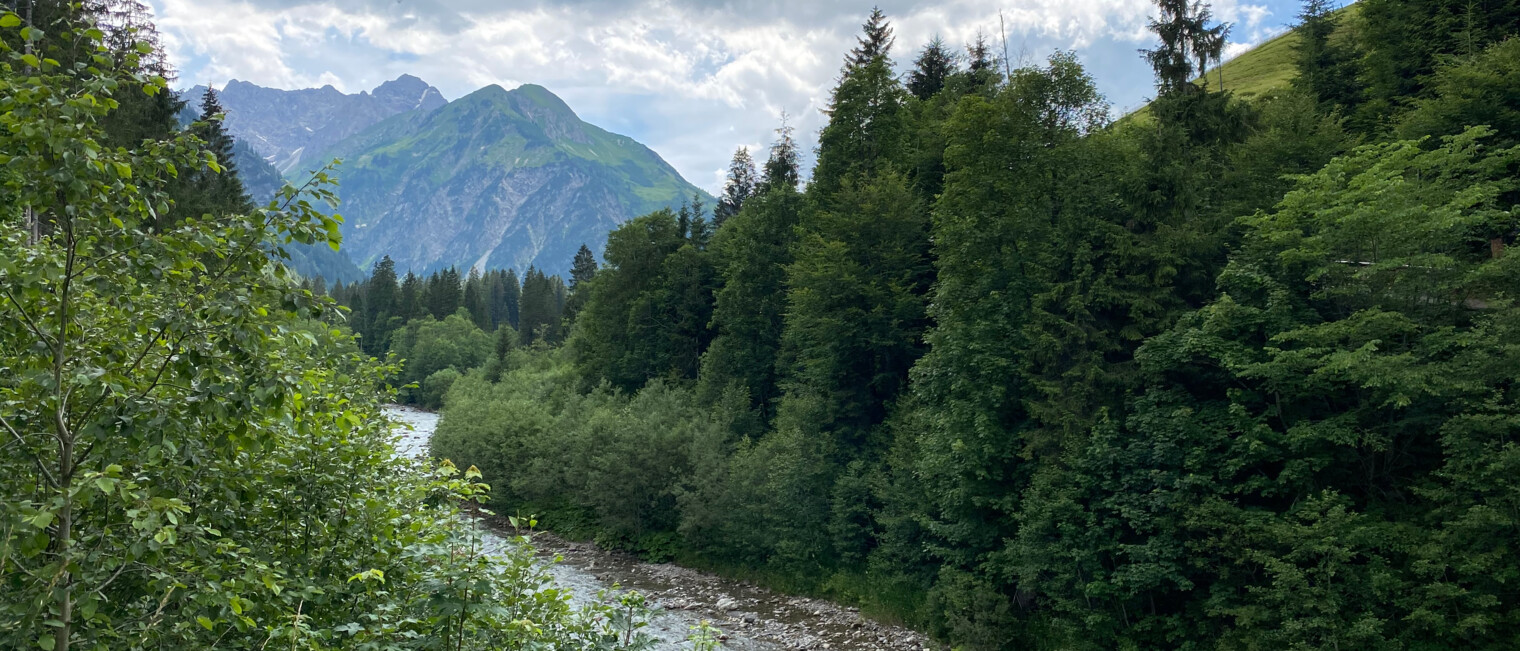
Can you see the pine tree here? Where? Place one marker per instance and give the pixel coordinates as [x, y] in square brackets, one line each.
[867, 129]
[740, 184]
[513, 288]
[1186, 36]
[382, 305]
[782, 167]
[874, 42]
[582, 270]
[933, 67]
[202, 190]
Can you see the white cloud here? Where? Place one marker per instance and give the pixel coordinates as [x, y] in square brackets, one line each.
[691, 79]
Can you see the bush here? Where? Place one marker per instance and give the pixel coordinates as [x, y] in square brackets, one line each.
[435, 386]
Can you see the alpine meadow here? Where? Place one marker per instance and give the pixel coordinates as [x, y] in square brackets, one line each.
[992, 367]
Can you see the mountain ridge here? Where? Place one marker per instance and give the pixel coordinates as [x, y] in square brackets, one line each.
[497, 178]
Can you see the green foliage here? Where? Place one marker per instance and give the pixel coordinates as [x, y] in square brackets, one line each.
[428, 347]
[192, 459]
[1481, 89]
[1216, 378]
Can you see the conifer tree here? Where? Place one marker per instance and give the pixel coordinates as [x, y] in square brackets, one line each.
[874, 41]
[740, 184]
[204, 191]
[1326, 69]
[933, 67]
[700, 228]
[382, 307]
[782, 166]
[475, 301]
[582, 270]
[410, 302]
[866, 129]
[1186, 36]
[513, 289]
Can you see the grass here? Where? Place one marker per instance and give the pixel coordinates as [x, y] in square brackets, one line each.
[1265, 68]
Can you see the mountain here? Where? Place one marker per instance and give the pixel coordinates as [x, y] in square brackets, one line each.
[494, 179]
[288, 127]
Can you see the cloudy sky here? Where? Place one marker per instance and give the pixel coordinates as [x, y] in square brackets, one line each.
[693, 79]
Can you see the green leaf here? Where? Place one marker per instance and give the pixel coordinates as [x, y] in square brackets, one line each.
[10, 20]
[31, 60]
[205, 622]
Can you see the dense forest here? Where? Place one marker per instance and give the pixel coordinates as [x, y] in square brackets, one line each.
[1216, 374]
[192, 457]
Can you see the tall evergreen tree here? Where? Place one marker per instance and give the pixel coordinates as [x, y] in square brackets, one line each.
[410, 301]
[1186, 36]
[582, 271]
[475, 301]
[874, 41]
[205, 190]
[383, 307]
[782, 167]
[740, 184]
[1326, 68]
[933, 67]
[866, 128]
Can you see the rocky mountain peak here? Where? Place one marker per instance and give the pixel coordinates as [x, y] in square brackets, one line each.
[289, 128]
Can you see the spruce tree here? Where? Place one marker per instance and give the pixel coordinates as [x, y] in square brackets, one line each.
[203, 190]
[782, 167]
[475, 301]
[1186, 36]
[874, 41]
[383, 307]
[867, 129]
[513, 304]
[582, 270]
[740, 184]
[933, 67]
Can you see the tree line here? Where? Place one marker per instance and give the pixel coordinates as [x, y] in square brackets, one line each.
[1218, 373]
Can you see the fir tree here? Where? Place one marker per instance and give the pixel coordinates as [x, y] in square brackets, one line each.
[866, 129]
[740, 184]
[933, 67]
[782, 167]
[874, 42]
[582, 270]
[1186, 36]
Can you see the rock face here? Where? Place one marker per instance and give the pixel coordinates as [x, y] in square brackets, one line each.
[494, 179]
[289, 128]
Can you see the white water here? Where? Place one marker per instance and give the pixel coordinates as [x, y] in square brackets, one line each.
[669, 627]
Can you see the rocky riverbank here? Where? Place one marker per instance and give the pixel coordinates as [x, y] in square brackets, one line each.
[751, 617]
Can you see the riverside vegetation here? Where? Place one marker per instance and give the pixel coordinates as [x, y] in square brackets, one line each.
[192, 458]
[1225, 373]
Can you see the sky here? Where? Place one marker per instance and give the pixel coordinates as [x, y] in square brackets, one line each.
[692, 79]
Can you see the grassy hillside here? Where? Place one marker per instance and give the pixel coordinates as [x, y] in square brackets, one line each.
[1265, 68]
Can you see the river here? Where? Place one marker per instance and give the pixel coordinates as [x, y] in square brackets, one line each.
[752, 618]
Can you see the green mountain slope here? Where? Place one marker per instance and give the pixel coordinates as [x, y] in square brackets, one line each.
[1272, 65]
[494, 179]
